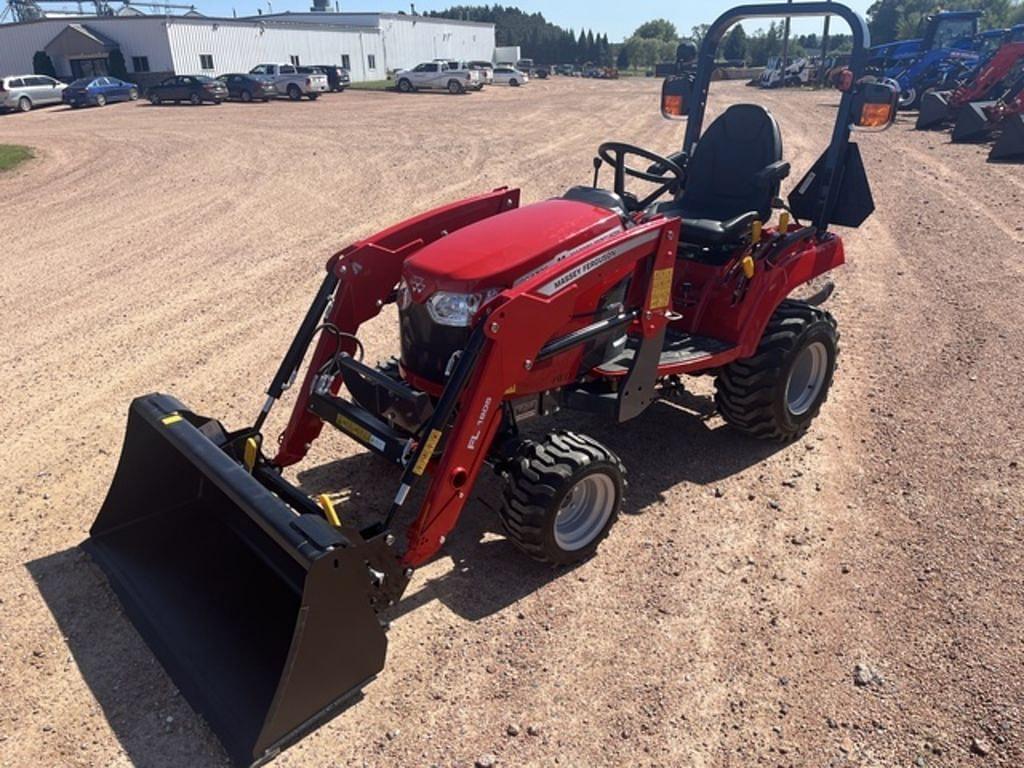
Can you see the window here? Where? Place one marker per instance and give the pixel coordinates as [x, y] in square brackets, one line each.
[371, 61]
[140, 63]
[346, 62]
[287, 69]
[16, 83]
[205, 61]
[294, 60]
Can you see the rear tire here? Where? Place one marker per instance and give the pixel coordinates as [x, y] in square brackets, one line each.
[562, 496]
[777, 393]
[294, 93]
[313, 96]
[455, 87]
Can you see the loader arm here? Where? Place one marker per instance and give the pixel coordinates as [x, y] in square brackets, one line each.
[525, 321]
[366, 274]
[991, 74]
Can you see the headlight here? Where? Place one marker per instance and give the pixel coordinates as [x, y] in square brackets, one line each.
[453, 309]
[404, 295]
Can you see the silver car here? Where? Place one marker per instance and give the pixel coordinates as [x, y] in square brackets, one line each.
[23, 92]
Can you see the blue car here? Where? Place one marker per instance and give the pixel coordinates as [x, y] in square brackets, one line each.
[97, 91]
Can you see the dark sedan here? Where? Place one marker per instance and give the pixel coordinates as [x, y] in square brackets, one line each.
[195, 89]
[338, 78]
[249, 87]
[99, 91]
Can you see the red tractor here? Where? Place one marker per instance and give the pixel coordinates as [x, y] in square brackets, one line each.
[988, 81]
[263, 603]
[979, 120]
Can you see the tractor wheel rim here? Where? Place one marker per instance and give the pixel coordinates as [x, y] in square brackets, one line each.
[806, 378]
[907, 97]
[584, 512]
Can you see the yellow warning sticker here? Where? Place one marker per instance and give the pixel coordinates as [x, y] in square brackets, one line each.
[174, 418]
[661, 288]
[428, 451]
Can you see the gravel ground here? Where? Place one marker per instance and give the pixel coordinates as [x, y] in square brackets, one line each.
[853, 599]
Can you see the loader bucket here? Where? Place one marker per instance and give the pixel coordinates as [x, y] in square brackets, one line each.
[934, 110]
[1010, 145]
[972, 123]
[259, 614]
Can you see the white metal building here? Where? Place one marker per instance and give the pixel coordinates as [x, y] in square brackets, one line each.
[153, 47]
[410, 40]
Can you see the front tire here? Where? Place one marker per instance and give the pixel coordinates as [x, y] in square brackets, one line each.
[195, 100]
[562, 496]
[133, 94]
[154, 99]
[101, 100]
[777, 393]
[514, 83]
[910, 99]
[404, 86]
[24, 104]
[246, 96]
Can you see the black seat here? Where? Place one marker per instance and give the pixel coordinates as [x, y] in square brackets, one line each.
[735, 172]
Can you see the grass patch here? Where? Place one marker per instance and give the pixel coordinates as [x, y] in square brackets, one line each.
[13, 155]
[373, 85]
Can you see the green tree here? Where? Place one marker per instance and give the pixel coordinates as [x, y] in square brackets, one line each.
[658, 29]
[622, 61]
[42, 64]
[735, 47]
[698, 33]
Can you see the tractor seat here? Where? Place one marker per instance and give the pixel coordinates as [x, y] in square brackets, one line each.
[734, 174]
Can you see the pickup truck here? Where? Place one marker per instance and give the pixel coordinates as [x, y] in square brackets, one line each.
[293, 83]
[438, 75]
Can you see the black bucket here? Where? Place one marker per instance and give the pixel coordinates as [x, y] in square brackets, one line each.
[934, 110]
[261, 616]
[972, 123]
[1010, 146]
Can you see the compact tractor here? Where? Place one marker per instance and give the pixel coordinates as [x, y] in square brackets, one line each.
[979, 120]
[265, 604]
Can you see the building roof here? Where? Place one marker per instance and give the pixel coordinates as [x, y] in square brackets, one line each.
[331, 17]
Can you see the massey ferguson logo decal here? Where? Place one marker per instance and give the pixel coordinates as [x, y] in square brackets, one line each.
[417, 284]
[589, 266]
[471, 445]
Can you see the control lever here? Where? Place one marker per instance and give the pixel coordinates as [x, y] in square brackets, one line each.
[597, 169]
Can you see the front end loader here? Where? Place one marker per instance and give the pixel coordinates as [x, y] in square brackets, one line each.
[987, 82]
[265, 604]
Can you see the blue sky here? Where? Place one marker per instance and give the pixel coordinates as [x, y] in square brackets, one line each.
[615, 17]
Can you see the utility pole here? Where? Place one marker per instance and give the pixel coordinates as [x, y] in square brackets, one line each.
[785, 47]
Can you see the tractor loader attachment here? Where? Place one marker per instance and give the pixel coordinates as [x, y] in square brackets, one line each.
[262, 613]
[973, 122]
[935, 110]
[1010, 145]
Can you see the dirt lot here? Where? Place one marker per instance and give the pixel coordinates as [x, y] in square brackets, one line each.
[175, 249]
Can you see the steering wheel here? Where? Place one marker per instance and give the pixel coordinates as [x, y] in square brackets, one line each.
[614, 153]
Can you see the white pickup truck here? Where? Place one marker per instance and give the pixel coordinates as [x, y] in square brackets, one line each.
[293, 83]
[438, 75]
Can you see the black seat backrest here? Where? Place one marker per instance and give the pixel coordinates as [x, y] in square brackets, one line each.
[721, 178]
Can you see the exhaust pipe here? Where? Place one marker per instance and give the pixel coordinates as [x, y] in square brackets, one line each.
[934, 110]
[1010, 146]
[261, 612]
[972, 124]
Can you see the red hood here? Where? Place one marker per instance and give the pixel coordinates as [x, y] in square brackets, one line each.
[496, 252]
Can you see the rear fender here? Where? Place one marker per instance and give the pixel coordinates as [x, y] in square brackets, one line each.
[368, 272]
[743, 322]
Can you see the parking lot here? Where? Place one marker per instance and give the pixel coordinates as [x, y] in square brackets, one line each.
[175, 249]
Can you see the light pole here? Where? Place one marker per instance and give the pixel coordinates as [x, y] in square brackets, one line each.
[785, 47]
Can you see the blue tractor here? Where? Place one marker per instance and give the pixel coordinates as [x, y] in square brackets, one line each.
[950, 47]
